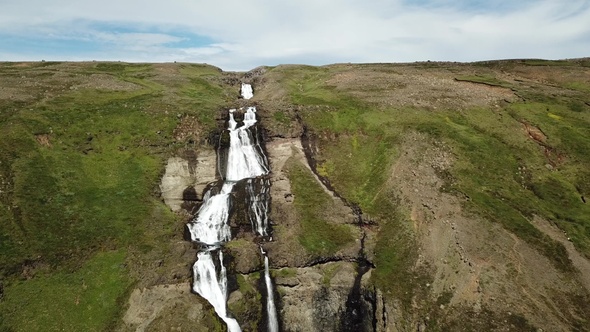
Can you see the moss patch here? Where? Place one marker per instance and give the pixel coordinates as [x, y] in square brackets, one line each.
[83, 146]
[87, 299]
[318, 236]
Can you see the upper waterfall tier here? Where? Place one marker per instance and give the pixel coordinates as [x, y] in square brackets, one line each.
[247, 91]
[244, 159]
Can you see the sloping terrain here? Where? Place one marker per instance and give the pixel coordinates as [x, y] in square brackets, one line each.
[426, 196]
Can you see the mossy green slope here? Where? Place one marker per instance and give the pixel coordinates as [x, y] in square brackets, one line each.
[317, 235]
[507, 176]
[81, 154]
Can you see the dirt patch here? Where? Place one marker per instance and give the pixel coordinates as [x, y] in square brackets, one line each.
[548, 75]
[149, 306]
[43, 139]
[475, 263]
[14, 94]
[535, 133]
[188, 130]
[580, 262]
[554, 157]
[48, 82]
[408, 86]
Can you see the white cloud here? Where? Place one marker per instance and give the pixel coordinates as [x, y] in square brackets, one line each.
[248, 34]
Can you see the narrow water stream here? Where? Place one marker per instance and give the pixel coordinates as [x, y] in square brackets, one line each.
[210, 227]
[273, 322]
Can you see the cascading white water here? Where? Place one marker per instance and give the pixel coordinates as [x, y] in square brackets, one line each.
[243, 160]
[247, 91]
[258, 200]
[211, 228]
[212, 288]
[273, 323]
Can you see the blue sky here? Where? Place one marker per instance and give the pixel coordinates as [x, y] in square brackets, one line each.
[241, 35]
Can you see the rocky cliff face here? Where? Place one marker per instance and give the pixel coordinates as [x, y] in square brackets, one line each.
[327, 292]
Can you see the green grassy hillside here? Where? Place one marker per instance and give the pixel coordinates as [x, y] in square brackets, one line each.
[507, 176]
[81, 152]
[519, 137]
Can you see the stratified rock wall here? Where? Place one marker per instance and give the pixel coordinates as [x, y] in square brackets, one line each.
[185, 180]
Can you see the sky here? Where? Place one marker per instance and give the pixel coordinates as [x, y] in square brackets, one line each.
[244, 34]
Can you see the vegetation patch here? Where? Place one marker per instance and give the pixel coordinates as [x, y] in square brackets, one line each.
[318, 236]
[286, 272]
[86, 299]
[281, 117]
[79, 169]
[557, 63]
[248, 309]
[395, 255]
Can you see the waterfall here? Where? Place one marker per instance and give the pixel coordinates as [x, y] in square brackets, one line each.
[243, 160]
[213, 288]
[258, 197]
[210, 226]
[273, 323]
[247, 91]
